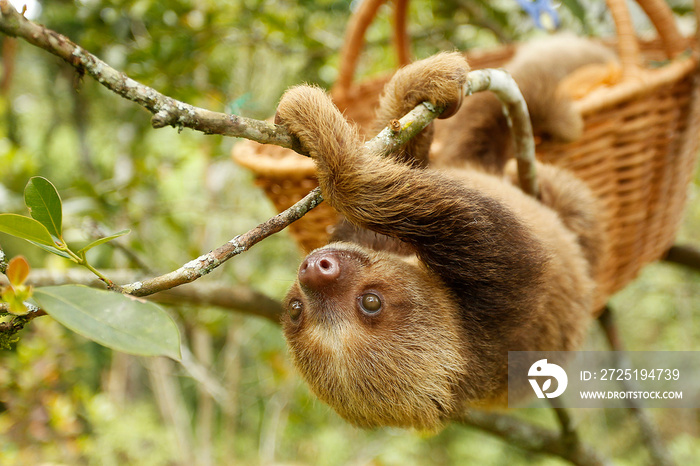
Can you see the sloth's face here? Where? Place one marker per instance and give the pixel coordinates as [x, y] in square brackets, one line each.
[374, 336]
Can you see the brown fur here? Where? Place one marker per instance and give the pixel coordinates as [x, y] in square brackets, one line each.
[435, 84]
[538, 67]
[493, 269]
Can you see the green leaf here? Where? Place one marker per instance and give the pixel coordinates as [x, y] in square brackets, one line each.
[25, 228]
[114, 320]
[44, 204]
[104, 240]
[52, 250]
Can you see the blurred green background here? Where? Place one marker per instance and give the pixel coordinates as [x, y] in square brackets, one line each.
[67, 400]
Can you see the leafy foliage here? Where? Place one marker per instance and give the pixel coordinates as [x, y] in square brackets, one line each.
[114, 320]
[44, 204]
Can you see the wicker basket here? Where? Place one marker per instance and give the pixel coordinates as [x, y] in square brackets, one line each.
[637, 153]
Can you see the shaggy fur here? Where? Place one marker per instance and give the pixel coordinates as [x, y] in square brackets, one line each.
[538, 68]
[470, 268]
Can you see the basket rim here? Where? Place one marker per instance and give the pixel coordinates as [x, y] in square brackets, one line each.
[645, 82]
[289, 165]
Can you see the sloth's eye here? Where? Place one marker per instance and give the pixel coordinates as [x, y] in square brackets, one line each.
[295, 308]
[370, 303]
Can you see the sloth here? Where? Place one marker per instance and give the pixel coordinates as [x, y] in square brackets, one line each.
[441, 265]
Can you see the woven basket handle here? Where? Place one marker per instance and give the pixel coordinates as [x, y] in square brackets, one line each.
[661, 17]
[658, 12]
[355, 38]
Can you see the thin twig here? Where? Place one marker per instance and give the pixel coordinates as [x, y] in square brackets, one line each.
[650, 436]
[208, 262]
[95, 231]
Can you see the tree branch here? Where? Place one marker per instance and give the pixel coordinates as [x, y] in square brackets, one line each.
[686, 255]
[569, 435]
[387, 141]
[533, 438]
[236, 298]
[208, 262]
[650, 436]
[10, 328]
[168, 111]
[502, 84]
[33, 310]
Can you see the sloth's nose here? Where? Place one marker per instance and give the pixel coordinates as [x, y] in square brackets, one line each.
[319, 270]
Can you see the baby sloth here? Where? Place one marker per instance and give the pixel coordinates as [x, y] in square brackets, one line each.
[407, 318]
